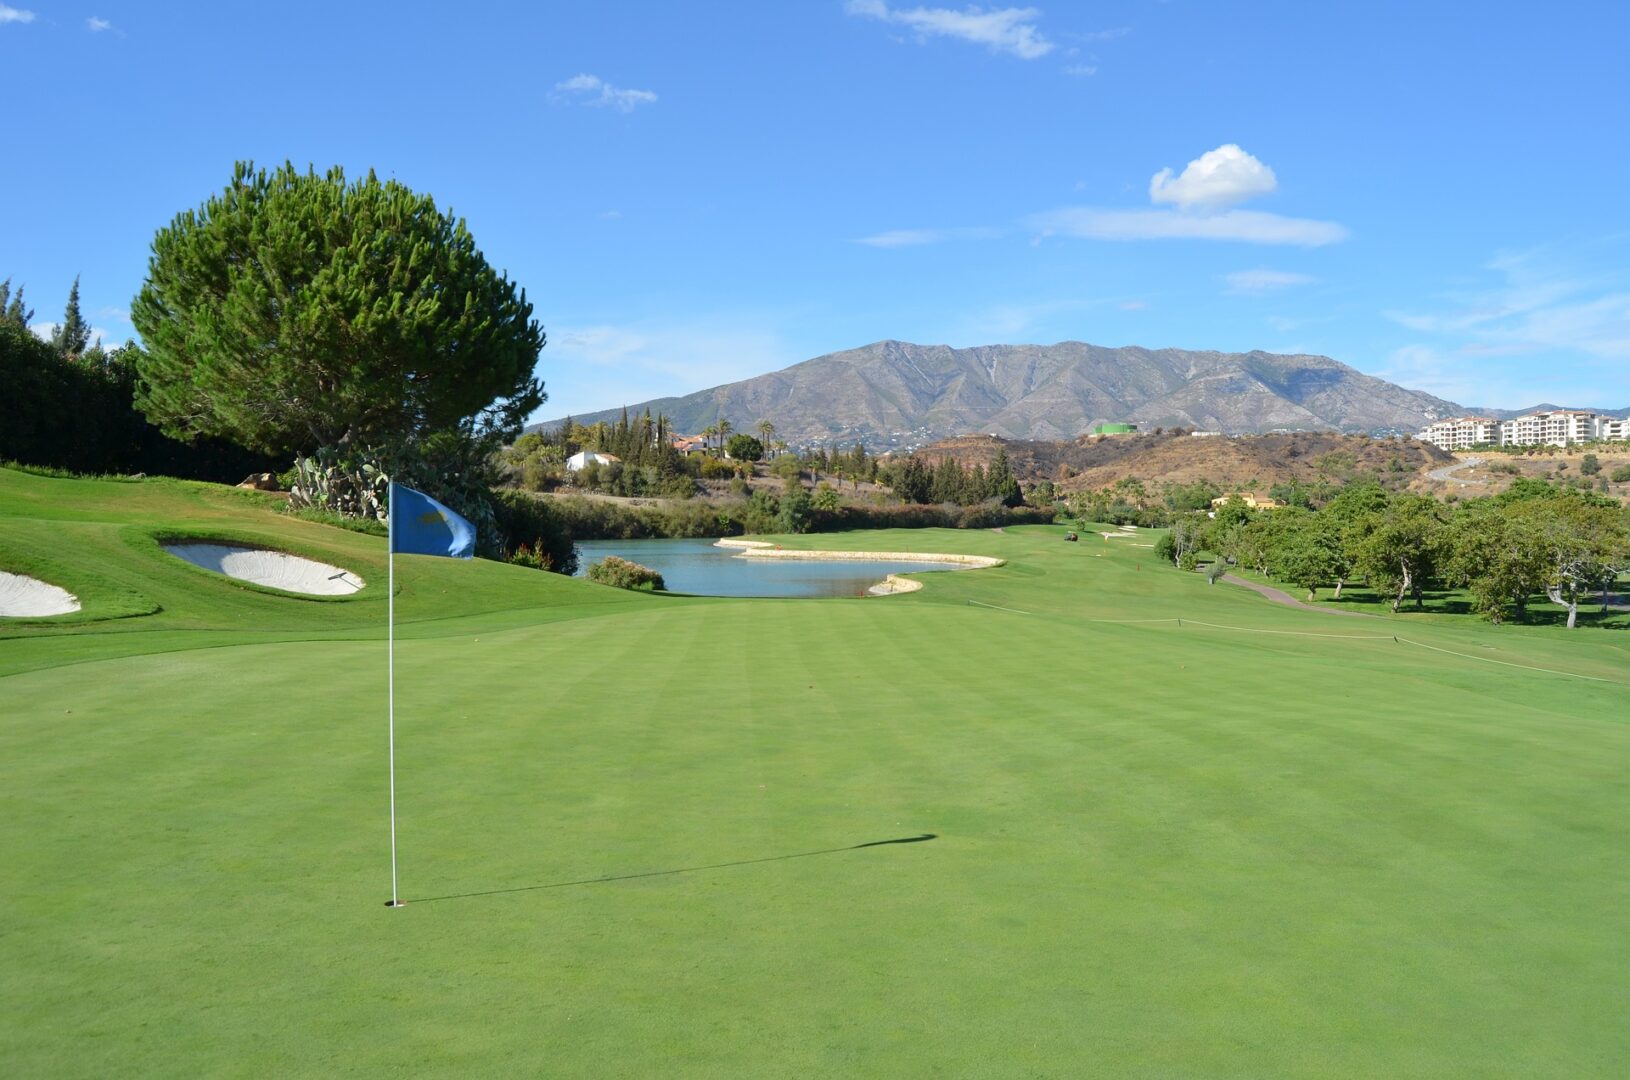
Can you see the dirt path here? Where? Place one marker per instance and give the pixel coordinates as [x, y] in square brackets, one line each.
[1280, 597]
[1444, 475]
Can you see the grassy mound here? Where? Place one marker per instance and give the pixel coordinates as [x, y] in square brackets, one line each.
[1262, 842]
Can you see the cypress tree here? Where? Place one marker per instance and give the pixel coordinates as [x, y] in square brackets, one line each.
[1001, 484]
[71, 338]
[947, 485]
[913, 482]
[12, 308]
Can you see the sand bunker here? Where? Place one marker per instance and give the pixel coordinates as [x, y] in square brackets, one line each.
[26, 597]
[274, 569]
[763, 549]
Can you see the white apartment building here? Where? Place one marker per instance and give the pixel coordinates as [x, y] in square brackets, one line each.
[1556, 427]
[1462, 432]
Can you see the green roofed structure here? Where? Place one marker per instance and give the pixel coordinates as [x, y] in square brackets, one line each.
[1115, 429]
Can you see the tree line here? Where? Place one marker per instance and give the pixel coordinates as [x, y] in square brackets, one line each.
[1535, 539]
[70, 403]
[948, 481]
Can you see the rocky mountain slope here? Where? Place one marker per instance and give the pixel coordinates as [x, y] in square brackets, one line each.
[896, 394]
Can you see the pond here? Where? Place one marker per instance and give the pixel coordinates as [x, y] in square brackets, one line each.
[696, 566]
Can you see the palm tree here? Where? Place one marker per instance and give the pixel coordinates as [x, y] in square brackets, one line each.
[708, 433]
[724, 428]
[765, 430]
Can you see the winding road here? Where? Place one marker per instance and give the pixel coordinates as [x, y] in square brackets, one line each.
[1445, 474]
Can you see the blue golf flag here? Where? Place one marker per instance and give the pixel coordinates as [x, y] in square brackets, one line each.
[420, 525]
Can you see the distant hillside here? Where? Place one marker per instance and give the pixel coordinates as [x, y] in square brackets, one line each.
[1507, 414]
[1253, 462]
[896, 394]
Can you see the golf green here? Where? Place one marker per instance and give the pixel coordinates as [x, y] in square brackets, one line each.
[638, 833]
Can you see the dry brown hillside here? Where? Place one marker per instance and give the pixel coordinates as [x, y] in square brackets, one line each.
[1246, 462]
[1490, 473]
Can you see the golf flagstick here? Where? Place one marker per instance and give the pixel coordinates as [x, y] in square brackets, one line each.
[390, 665]
[427, 528]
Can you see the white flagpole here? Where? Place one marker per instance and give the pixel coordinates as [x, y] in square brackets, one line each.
[390, 559]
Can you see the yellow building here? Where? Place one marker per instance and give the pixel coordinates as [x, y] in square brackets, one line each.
[1250, 499]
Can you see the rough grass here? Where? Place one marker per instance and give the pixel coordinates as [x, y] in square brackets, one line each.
[1161, 850]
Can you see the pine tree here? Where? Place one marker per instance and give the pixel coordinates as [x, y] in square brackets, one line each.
[71, 338]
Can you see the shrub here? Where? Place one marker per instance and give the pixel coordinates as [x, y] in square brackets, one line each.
[536, 523]
[744, 448]
[594, 519]
[534, 555]
[794, 512]
[1621, 475]
[678, 487]
[623, 574]
[717, 469]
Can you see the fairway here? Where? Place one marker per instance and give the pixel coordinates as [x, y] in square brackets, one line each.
[1177, 830]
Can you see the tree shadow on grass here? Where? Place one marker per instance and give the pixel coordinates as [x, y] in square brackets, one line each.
[681, 870]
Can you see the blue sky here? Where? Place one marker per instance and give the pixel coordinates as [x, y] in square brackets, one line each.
[695, 193]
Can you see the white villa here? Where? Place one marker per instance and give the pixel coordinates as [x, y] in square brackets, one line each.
[1558, 427]
[577, 461]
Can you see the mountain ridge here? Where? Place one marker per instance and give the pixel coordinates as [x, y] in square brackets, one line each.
[898, 394]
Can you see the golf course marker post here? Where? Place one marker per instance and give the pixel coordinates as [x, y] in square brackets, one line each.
[390, 678]
[417, 525]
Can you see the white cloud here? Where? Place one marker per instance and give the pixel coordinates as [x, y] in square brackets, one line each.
[1479, 378]
[96, 25]
[1133, 305]
[1226, 176]
[1002, 30]
[1537, 308]
[14, 15]
[1204, 194]
[1249, 226]
[43, 330]
[1549, 324]
[1081, 71]
[592, 90]
[895, 238]
[1259, 281]
[902, 238]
